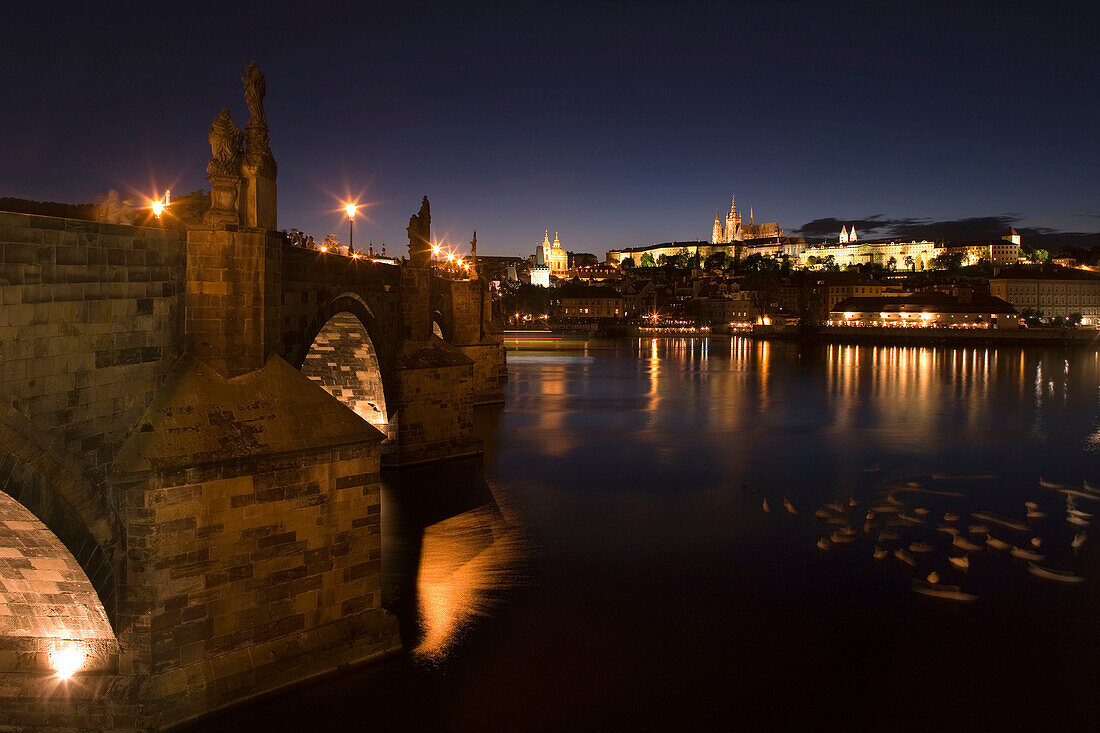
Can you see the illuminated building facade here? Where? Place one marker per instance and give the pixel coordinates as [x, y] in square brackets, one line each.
[925, 310]
[587, 302]
[899, 255]
[1051, 291]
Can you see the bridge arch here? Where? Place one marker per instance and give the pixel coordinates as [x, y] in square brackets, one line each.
[342, 356]
[441, 326]
[49, 604]
[48, 485]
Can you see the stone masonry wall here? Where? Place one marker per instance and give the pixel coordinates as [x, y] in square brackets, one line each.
[434, 415]
[247, 568]
[91, 320]
[90, 323]
[488, 377]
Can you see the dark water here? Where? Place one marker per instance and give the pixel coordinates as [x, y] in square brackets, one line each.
[611, 566]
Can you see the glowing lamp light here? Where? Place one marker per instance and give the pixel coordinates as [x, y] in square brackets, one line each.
[351, 209]
[67, 662]
[158, 207]
[435, 249]
[324, 249]
[450, 257]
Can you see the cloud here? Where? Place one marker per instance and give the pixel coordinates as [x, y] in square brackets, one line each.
[972, 229]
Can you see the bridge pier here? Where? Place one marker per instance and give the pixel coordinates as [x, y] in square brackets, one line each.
[254, 524]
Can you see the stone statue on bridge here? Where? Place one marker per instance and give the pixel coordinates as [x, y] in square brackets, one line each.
[256, 134]
[224, 169]
[259, 205]
[420, 235]
[225, 145]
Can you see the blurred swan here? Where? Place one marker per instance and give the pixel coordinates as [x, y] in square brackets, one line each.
[962, 563]
[964, 544]
[949, 592]
[766, 507]
[879, 553]
[995, 543]
[1078, 540]
[1062, 576]
[1026, 554]
[933, 577]
[1036, 541]
[905, 557]
[950, 517]
[921, 547]
[823, 543]
[789, 506]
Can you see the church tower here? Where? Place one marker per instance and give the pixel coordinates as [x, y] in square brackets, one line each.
[844, 235]
[543, 250]
[733, 222]
[852, 234]
[717, 236]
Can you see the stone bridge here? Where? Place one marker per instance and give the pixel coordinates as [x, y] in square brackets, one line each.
[192, 426]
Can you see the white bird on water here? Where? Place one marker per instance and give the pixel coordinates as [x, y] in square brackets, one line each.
[1078, 540]
[789, 506]
[766, 507]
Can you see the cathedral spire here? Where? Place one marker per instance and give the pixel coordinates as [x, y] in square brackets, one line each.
[557, 242]
[546, 238]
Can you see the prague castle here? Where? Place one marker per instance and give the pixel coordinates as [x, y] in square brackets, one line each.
[734, 230]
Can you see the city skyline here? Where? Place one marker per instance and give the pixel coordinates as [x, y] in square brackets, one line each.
[614, 125]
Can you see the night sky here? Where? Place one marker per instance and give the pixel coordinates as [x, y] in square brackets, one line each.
[615, 124]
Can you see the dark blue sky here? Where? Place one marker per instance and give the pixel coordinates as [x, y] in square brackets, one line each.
[614, 124]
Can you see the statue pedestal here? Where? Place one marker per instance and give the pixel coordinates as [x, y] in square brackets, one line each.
[259, 205]
[223, 200]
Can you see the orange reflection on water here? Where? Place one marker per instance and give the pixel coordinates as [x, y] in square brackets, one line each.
[465, 562]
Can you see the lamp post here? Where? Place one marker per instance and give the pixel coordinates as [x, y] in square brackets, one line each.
[350, 209]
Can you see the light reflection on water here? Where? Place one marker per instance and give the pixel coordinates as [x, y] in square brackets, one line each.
[465, 561]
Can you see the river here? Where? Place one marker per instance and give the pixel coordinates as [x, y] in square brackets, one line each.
[611, 565]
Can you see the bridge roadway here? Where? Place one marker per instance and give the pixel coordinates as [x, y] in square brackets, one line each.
[192, 426]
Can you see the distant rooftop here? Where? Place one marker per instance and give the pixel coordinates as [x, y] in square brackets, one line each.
[1044, 272]
[925, 303]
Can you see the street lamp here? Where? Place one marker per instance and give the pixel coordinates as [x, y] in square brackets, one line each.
[158, 208]
[350, 209]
